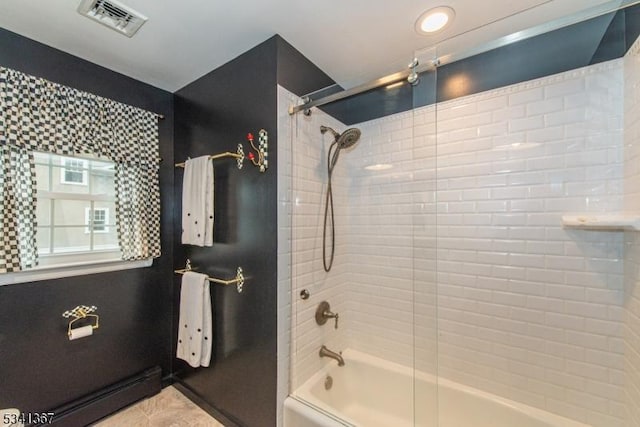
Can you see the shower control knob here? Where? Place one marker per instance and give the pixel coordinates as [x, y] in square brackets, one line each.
[323, 313]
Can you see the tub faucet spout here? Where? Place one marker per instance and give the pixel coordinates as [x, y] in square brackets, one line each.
[325, 352]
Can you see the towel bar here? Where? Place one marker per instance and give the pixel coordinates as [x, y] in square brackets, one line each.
[238, 155]
[261, 161]
[238, 280]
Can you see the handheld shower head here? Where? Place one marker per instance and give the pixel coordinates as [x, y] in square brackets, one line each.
[348, 138]
[344, 140]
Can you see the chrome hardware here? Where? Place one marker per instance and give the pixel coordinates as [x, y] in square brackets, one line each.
[306, 100]
[325, 352]
[304, 294]
[323, 313]
[413, 77]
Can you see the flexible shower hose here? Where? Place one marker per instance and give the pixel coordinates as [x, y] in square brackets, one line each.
[332, 159]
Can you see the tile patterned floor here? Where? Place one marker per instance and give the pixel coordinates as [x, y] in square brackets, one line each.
[170, 408]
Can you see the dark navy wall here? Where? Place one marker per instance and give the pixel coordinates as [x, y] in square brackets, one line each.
[40, 369]
[586, 43]
[296, 73]
[213, 114]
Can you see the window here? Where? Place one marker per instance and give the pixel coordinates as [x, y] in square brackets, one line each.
[73, 171]
[98, 222]
[75, 222]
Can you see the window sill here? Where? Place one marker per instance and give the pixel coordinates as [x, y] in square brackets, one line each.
[71, 269]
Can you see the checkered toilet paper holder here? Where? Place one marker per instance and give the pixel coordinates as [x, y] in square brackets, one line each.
[79, 313]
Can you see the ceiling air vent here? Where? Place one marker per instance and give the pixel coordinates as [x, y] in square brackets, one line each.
[113, 14]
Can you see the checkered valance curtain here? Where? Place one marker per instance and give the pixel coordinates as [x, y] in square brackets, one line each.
[38, 115]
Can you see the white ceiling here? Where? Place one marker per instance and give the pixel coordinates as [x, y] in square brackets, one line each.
[351, 40]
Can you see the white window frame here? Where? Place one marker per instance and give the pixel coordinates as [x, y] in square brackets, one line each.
[89, 219]
[59, 265]
[45, 272]
[63, 170]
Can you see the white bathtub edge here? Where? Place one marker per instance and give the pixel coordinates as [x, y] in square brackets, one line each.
[306, 404]
[299, 414]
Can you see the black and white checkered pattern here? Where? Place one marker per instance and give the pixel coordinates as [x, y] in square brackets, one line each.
[138, 211]
[17, 210]
[38, 115]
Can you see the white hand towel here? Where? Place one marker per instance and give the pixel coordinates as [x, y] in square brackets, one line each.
[207, 327]
[195, 327]
[197, 202]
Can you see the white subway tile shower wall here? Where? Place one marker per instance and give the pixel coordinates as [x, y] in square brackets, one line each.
[391, 239]
[632, 239]
[309, 172]
[284, 248]
[526, 309]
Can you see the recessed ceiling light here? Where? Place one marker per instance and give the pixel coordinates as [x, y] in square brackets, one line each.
[434, 20]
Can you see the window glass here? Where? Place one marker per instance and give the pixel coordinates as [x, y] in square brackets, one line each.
[68, 212]
[75, 209]
[73, 171]
[96, 219]
[43, 237]
[70, 239]
[43, 212]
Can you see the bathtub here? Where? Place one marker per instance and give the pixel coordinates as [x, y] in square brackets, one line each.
[372, 392]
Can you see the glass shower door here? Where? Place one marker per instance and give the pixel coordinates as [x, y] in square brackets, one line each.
[382, 197]
[318, 381]
[521, 143]
[424, 206]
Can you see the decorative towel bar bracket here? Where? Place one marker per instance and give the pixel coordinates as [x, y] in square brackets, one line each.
[81, 312]
[261, 161]
[238, 280]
